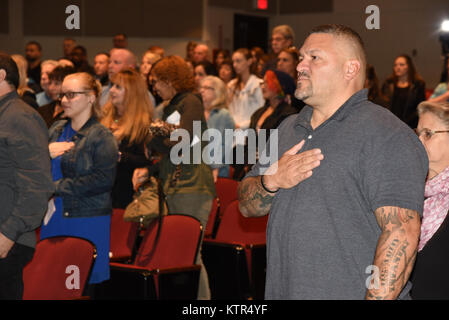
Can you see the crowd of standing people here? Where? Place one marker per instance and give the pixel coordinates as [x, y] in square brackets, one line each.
[91, 143]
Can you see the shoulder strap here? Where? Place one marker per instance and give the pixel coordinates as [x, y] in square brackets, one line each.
[162, 202]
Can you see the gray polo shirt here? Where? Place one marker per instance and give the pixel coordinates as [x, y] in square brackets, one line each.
[322, 233]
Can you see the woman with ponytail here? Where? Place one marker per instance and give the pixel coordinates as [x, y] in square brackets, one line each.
[245, 92]
[84, 158]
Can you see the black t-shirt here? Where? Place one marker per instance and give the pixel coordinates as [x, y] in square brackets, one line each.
[399, 101]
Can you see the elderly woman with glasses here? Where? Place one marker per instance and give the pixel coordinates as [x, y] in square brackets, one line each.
[84, 157]
[214, 93]
[430, 277]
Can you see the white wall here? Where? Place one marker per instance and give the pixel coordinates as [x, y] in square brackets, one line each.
[405, 25]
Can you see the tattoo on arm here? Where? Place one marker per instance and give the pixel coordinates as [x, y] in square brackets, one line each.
[253, 199]
[396, 250]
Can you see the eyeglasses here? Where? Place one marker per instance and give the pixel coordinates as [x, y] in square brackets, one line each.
[427, 133]
[70, 95]
[206, 88]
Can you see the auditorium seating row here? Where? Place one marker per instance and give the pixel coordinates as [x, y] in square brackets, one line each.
[159, 263]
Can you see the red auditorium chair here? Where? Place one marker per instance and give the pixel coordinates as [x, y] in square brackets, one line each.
[59, 269]
[226, 190]
[236, 259]
[162, 270]
[123, 237]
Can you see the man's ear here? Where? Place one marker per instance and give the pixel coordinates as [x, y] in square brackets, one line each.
[2, 75]
[352, 69]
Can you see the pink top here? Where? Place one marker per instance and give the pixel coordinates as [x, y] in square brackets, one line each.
[436, 206]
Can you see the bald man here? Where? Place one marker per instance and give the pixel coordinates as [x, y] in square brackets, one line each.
[346, 195]
[201, 53]
[120, 59]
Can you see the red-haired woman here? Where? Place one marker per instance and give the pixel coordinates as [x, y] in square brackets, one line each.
[189, 187]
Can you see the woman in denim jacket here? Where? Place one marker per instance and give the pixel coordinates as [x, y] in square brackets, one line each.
[84, 158]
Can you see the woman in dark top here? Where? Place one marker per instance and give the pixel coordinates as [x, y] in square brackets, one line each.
[372, 84]
[189, 186]
[430, 276]
[405, 89]
[277, 89]
[128, 115]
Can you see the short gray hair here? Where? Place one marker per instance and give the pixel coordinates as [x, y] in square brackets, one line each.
[286, 31]
[439, 109]
[220, 90]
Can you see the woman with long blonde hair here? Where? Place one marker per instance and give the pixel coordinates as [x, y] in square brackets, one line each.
[25, 92]
[128, 114]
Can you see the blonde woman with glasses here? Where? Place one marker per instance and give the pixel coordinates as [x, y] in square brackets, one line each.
[430, 277]
[83, 162]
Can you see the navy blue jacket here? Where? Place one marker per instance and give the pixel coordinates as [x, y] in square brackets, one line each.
[88, 169]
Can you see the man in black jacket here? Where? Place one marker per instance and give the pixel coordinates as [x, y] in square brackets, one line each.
[25, 180]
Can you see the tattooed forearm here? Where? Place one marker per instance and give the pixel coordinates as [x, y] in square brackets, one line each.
[254, 201]
[396, 250]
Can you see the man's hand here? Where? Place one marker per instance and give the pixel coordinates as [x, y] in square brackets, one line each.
[215, 174]
[59, 148]
[139, 176]
[5, 245]
[292, 168]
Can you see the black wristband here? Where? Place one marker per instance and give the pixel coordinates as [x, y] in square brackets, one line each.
[265, 188]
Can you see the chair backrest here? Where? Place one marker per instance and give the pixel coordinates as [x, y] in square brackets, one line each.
[234, 227]
[59, 269]
[178, 243]
[226, 192]
[123, 235]
[213, 218]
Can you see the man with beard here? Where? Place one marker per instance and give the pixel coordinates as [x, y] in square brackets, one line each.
[346, 194]
[33, 54]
